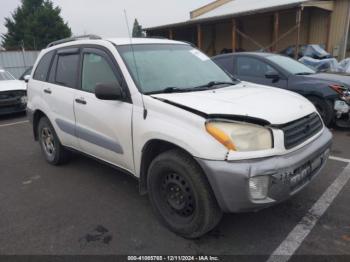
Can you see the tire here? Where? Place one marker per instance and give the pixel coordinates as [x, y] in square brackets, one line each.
[54, 152]
[325, 109]
[181, 195]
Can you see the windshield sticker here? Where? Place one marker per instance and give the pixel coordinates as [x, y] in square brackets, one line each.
[200, 55]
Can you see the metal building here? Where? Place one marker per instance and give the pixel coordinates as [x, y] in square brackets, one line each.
[269, 24]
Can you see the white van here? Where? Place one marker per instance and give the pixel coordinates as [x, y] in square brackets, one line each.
[200, 142]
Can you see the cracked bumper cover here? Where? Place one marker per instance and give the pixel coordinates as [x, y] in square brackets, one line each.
[230, 179]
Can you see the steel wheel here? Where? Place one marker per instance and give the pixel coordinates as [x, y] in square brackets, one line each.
[181, 196]
[178, 196]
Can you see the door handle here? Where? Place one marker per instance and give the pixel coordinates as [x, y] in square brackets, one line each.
[47, 91]
[81, 101]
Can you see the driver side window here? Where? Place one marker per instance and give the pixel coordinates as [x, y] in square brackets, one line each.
[247, 66]
[96, 69]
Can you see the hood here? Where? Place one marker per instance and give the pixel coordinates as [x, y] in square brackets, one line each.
[331, 78]
[10, 85]
[245, 99]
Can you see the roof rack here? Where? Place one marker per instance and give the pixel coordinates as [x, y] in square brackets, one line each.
[74, 38]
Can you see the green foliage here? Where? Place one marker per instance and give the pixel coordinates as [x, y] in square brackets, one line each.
[137, 30]
[34, 24]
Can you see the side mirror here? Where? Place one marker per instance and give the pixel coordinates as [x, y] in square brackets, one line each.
[273, 75]
[26, 78]
[109, 91]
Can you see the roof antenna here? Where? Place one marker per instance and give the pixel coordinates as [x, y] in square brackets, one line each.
[134, 58]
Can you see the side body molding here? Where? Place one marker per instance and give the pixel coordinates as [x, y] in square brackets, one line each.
[89, 136]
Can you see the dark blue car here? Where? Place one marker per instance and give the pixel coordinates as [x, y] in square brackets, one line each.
[330, 93]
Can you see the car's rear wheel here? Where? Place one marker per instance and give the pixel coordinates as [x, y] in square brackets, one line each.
[181, 195]
[51, 147]
[325, 109]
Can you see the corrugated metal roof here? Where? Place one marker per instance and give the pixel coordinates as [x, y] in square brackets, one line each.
[236, 7]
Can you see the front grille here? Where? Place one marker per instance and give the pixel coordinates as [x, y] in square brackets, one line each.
[11, 98]
[297, 132]
[12, 94]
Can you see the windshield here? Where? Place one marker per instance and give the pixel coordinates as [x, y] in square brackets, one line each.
[5, 76]
[290, 65]
[171, 67]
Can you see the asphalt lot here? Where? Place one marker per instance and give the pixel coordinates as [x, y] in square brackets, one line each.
[88, 208]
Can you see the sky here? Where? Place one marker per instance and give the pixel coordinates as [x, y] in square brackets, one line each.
[106, 17]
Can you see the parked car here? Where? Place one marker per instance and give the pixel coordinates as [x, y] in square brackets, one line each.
[330, 93]
[13, 94]
[200, 142]
[26, 73]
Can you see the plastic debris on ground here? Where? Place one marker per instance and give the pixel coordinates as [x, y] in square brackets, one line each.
[313, 51]
[345, 66]
[315, 57]
[324, 65]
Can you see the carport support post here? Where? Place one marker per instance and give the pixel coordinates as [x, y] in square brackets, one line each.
[199, 36]
[296, 55]
[346, 36]
[234, 35]
[171, 34]
[276, 20]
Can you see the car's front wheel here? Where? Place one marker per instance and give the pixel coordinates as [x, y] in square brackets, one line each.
[181, 195]
[51, 147]
[325, 109]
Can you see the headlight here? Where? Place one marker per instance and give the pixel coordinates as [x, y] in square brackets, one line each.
[240, 136]
[24, 99]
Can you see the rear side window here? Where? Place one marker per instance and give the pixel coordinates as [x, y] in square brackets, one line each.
[43, 67]
[225, 63]
[67, 70]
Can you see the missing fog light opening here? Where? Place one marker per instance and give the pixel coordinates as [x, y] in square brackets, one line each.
[259, 187]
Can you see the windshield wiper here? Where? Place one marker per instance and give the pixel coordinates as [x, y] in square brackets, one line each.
[304, 74]
[168, 90]
[210, 85]
[215, 84]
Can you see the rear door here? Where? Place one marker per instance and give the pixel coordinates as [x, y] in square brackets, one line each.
[103, 127]
[254, 70]
[59, 94]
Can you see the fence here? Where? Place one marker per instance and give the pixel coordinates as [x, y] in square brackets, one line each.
[16, 62]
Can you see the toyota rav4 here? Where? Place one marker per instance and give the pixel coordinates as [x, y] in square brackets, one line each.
[200, 142]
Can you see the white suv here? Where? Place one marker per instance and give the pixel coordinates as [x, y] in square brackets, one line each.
[200, 142]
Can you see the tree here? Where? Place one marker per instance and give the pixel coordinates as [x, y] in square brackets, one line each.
[137, 30]
[33, 25]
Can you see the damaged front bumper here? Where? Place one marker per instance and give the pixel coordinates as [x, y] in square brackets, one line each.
[342, 112]
[285, 175]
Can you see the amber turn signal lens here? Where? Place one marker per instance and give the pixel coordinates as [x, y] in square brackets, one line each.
[220, 136]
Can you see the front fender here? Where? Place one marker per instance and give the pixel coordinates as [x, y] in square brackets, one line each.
[176, 126]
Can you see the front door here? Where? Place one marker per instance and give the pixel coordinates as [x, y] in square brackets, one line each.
[103, 128]
[254, 70]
